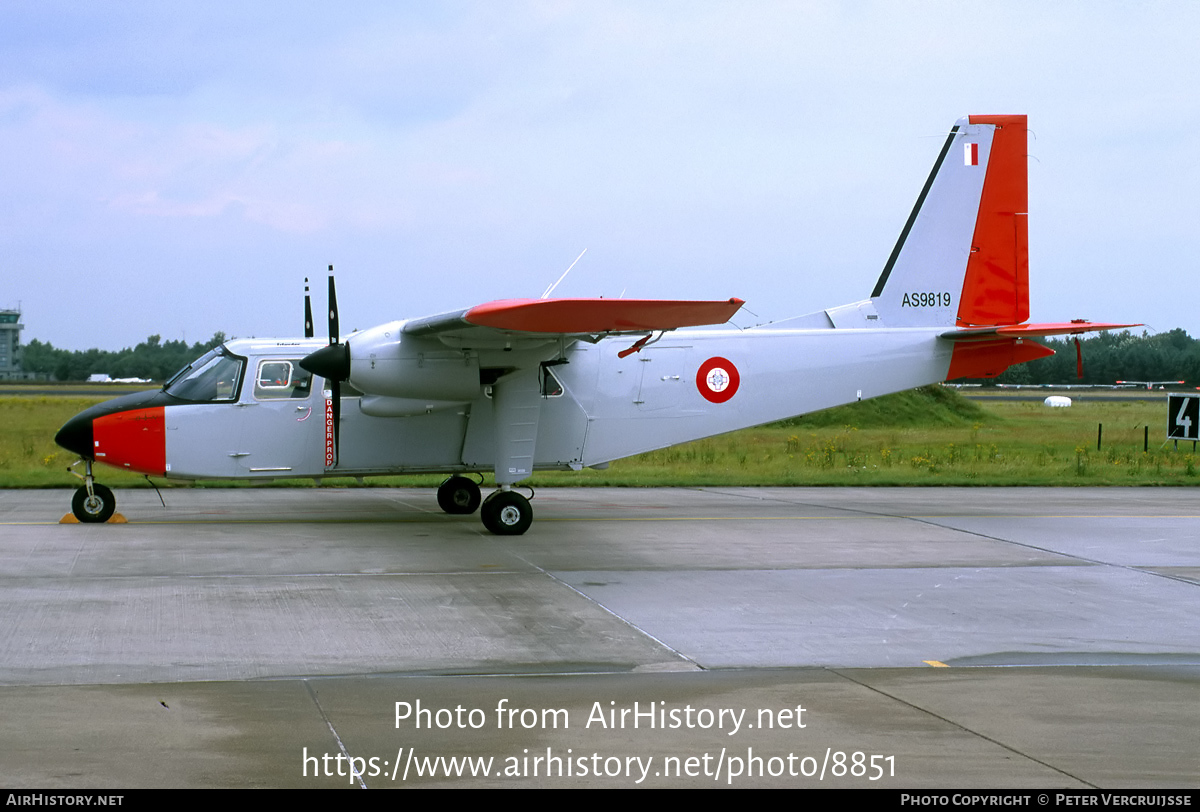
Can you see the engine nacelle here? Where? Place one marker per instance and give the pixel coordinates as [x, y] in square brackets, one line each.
[384, 361]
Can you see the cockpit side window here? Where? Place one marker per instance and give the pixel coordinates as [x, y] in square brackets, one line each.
[279, 380]
[215, 377]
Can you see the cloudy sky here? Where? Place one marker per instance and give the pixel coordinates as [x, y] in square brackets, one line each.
[179, 168]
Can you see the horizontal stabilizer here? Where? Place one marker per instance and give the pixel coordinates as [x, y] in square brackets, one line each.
[1031, 330]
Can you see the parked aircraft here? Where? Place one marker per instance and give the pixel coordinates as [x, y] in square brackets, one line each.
[1151, 384]
[514, 386]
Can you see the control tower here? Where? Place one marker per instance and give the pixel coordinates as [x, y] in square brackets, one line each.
[10, 344]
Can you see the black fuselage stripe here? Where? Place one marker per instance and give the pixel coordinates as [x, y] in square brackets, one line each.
[912, 218]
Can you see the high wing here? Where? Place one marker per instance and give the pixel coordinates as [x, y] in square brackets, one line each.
[577, 316]
[507, 325]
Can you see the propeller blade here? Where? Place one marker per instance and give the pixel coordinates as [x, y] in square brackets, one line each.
[308, 322]
[333, 310]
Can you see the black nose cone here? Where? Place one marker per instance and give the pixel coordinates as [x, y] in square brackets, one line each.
[76, 435]
[331, 363]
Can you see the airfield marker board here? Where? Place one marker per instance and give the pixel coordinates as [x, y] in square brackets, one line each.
[1183, 417]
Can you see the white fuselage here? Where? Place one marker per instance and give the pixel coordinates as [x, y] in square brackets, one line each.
[605, 408]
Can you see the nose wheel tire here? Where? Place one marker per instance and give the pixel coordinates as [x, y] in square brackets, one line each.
[98, 507]
[506, 513]
[458, 495]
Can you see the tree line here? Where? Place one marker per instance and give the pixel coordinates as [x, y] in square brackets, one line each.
[1107, 358]
[154, 359]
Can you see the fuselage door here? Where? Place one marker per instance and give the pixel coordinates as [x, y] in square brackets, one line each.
[280, 422]
[664, 380]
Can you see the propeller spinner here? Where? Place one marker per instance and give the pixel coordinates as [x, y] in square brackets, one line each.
[332, 362]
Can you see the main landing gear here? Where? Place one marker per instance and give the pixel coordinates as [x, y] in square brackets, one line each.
[505, 512]
[458, 495]
[92, 502]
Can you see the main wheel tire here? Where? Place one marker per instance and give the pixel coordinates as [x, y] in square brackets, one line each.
[507, 513]
[458, 495]
[96, 508]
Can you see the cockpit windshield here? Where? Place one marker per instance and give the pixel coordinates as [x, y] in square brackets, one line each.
[214, 377]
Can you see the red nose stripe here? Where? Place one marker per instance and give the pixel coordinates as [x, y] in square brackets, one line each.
[132, 440]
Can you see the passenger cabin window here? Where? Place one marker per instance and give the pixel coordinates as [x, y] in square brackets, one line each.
[281, 380]
[551, 388]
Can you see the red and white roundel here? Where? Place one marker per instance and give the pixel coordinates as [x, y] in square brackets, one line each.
[718, 379]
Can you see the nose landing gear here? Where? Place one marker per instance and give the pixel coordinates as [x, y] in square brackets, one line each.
[96, 506]
[92, 502]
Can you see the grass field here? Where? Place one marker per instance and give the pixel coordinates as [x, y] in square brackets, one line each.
[931, 436]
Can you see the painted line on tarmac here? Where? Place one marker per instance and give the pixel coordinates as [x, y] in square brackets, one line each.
[543, 519]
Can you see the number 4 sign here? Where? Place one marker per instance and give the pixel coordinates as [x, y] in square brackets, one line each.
[1183, 417]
